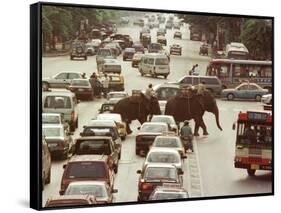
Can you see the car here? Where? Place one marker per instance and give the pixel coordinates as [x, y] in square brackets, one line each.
[165, 156]
[153, 175]
[99, 145]
[86, 168]
[146, 135]
[124, 20]
[245, 91]
[82, 88]
[203, 49]
[121, 126]
[155, 48]
[96, 34]
[111, 66]
[70, 200]
[116, 81]
[96, 44]
[128, 53]
[63, 102]
[115, 48]
[59, 141]
[154, 64]
[60, 80]
[145, 39]
[169, 191]
[175, 49]
[177, 26]
[178, 34]
[138, 47]
[55, 118]
[90, 48]
[136, 59]
[169, 142]
[267, 99]
[102, 128]
[145, 29]
[162, 40]
[78, 50]
[102, 54]
[169, 25]
[99, 189]
[46, 163]
[119, 95]
[168, 119]
[164, 92]
[128, 41]
[121, 43]
[106, 108]
[161, 31]
[139, 22]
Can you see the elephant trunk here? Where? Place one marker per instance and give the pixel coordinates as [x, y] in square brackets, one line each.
[216, 112]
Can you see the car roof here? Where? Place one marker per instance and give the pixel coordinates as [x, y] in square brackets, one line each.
[95, 138]
[162, 116]
[97, 123]
[163, 150]
[58, 93]
[157, 165]
[87, 182]
[155, 123]
[168, 136]
[166, 85]
[82, 158]
[109, 115]
[51, 114]
[60, 126]
[118, 92]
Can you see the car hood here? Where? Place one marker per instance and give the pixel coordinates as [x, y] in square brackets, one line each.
[228, 90]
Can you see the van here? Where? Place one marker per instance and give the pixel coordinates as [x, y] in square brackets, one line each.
[154, 64]
[212, 83]
[63, 102]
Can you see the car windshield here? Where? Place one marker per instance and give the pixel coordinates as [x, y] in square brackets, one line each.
[162, 61]
[160, 172]
[86, 170]
[162, 120]
[52, 131]
[162, 157]
[155, 46]
[97, 147]
[166, 142]
[80, 83]
[91, 189]
[57, 102]
[98, 131]
[104, 52]
[153, 128]
[165, 196]
[116, 95]
[50, 119]
[114, 117]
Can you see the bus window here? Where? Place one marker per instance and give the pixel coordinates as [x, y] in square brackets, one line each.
[253, 71]
[266, 72]
[240, 70]
[223, 70]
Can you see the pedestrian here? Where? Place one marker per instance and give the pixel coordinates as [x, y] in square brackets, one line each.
[192, 71]
[186, 136]
[105, 85]
[149, 91]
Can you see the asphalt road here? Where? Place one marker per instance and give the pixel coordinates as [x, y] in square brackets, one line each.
[210, 170]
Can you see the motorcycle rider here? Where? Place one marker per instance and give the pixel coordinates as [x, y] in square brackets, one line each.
[186, 136]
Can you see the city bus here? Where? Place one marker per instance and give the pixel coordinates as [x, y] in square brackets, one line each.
[236, 50]
[253, 148]
[233, 72]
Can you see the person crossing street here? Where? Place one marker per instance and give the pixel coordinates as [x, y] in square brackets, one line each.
[186, 136]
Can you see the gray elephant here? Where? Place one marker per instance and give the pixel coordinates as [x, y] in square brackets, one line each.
[193, 106]
[137, 108]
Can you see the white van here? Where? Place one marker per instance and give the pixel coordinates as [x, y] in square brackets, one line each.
[63, 102]
[154, 64]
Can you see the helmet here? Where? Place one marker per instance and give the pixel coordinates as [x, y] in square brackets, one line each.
[186, 122]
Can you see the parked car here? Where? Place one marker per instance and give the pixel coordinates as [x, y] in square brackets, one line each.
[168, 192]
[63, 102]
[178, 34]
[55, 118]
[46, 163]
[86, 168]
[90, 48]
[162, 40]
[154, 64]
[168, 119]
[99, 189]
[111, 66]
[245, 91]
[267, 99]
[99, 145]
[82, 88]
[138, 47]
[118, 95]
[102, 54]
[59, 141]
[147, 134]
[136, 59]
[169, 142]
[70, 200]
[128, 53]
[116, 81]
[60, 80]
[78, 50]
[154, 175]
[175, 49]
[154, 48]
[161, 31]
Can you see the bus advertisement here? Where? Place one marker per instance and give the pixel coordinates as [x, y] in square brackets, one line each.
[253, 148]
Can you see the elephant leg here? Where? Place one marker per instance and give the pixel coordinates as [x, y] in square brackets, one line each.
[196, 128]
[203, 126]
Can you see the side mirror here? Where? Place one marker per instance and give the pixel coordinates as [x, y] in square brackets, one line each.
[180, 172]
[114, 190]
[64, 165]
[138, 171]
[233, 126]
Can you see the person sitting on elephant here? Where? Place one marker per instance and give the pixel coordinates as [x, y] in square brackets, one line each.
[201, 89]
[186, 135]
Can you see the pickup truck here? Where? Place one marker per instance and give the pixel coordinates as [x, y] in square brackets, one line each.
[100, 145]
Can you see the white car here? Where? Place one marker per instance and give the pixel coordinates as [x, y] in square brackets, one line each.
[267, 99]
[168, 119]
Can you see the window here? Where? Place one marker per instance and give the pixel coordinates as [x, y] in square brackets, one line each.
[209, 80]
[266, 71]
[187, 80]
[162, 61]
[60, 102]
[150, 61]
[243, 87]
[73, 75]
[97, 147]
[253, 87]
[52, 132]
[161, 173]
[161, 157]
[61, 76]
[195, 81]
[50, 119]
[86, 170]
[80, 83]
[240, 70]
[96, 190]
[223, 70]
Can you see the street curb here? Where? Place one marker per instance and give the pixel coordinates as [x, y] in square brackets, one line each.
[55, 54]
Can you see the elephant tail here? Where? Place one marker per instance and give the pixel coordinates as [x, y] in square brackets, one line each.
[216, 112]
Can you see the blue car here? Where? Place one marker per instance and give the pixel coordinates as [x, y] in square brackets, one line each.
[245, 91]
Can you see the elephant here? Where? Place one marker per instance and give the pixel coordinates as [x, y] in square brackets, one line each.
[193, 106]
[137, 108]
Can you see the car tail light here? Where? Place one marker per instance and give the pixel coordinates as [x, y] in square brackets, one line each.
[72, 115]
[146, 186]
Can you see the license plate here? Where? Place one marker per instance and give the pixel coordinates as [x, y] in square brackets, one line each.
[255, 166]
[81, 90]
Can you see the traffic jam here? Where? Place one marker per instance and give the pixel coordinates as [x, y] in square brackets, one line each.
[148, 107]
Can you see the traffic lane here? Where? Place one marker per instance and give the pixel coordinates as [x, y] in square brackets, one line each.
[216, 155]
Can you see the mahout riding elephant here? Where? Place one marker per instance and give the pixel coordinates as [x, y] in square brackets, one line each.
[193, 106]
[137, 108]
